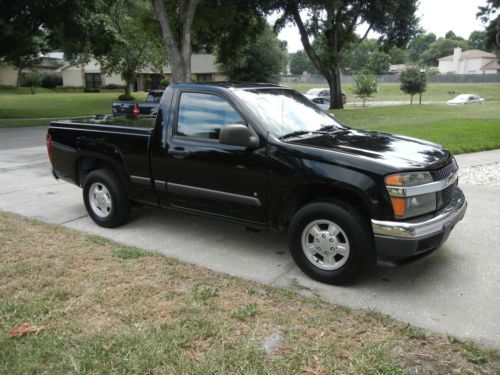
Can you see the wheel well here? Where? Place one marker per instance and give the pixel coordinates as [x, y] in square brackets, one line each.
[314, 192]
[87, 164]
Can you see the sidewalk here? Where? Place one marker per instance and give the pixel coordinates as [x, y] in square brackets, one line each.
[478, 158]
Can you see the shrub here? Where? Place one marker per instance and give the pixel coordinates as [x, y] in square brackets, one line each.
[164, 83]
[365, 86]
[148, 82]
[126, 98]
[32, 80]
[69, 88]
[51, 81]
[7, 87]
[88, 89]
[410, 82]
[113, 86]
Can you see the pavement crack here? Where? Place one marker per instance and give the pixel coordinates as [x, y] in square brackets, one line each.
[71, 220]
[281, 274]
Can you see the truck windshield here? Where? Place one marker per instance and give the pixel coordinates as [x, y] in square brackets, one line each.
[285, 112]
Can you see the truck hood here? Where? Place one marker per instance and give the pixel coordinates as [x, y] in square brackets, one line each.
[392, 150]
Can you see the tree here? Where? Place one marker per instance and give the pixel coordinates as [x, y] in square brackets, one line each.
[260, 62]
[225, 27]
[33, 80]
[365, 85]
[177, 40]
[378, 63]
[440, 48]
[419, 45]
[477, 40]
[298, 62]
[410, 82]
[356, 55]
[399, 55]
[135, 46]
[451, 35]
[335, 23]
[487, 14]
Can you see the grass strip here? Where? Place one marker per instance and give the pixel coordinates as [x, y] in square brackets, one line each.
[94, 305]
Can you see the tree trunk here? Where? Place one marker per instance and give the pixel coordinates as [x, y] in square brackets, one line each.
[411, 99]
[331, 73]
[18, 81]
[179, 50]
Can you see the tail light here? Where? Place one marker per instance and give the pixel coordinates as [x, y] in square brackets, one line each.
[135, 110]
[49, 146]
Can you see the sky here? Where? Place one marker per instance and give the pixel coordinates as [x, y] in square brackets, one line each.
[437, 16]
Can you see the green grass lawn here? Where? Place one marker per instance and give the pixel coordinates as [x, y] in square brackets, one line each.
[15, 104]
[436, 92]
[461, 129]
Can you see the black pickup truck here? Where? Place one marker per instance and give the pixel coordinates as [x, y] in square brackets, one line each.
[265, 156]
[132, 108]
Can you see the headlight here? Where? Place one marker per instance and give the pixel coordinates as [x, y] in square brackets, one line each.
[410, 206]
[408, 179]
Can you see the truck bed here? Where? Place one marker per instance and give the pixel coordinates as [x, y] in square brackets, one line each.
[124, 147]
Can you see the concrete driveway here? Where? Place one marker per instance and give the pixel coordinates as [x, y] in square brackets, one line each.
[454, 291]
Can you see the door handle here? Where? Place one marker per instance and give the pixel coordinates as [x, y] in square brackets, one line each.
[179, 152]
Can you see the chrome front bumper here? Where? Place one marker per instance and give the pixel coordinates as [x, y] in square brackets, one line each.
[449, 215]
[398, 240]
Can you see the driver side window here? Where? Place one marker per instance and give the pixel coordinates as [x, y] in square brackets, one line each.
[203, 115]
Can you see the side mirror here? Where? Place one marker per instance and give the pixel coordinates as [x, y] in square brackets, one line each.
[238, 135]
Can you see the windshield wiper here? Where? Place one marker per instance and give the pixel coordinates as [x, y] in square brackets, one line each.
[294, 134]
[301, 132]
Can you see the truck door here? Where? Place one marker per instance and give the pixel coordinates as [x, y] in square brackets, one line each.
[205, 175]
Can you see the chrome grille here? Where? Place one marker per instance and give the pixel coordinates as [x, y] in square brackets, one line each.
[445, 171]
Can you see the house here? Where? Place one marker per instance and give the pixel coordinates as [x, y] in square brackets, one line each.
[473, 61]
[88, 75]
[48, 64]
[203, 69]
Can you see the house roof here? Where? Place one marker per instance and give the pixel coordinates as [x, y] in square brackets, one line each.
[471, 54]
[492, 65]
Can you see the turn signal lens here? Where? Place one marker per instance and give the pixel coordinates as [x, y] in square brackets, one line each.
[394, 180]
[399, 206]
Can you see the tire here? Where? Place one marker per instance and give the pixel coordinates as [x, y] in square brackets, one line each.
[105, 198]
[331, 242]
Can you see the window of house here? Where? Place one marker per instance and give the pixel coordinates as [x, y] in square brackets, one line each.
[203, 115]
[204, 77]
[93, 80]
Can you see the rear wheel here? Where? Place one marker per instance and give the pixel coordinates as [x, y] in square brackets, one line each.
[331, 241]
[105, 198]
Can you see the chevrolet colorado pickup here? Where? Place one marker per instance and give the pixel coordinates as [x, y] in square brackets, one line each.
[265, 156]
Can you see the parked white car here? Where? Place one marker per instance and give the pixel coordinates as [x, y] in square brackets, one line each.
[321, 102]
[466, 99]
[324, 93]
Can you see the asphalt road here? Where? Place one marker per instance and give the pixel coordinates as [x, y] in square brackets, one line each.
[454, 291]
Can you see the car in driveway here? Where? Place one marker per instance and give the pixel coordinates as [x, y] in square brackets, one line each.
[323, 93]
[466, 99]
[134, 108]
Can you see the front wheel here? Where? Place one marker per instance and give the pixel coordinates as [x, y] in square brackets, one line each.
[331, 241]
[105, 198]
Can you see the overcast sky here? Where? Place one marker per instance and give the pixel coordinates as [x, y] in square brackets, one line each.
[437, 16]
